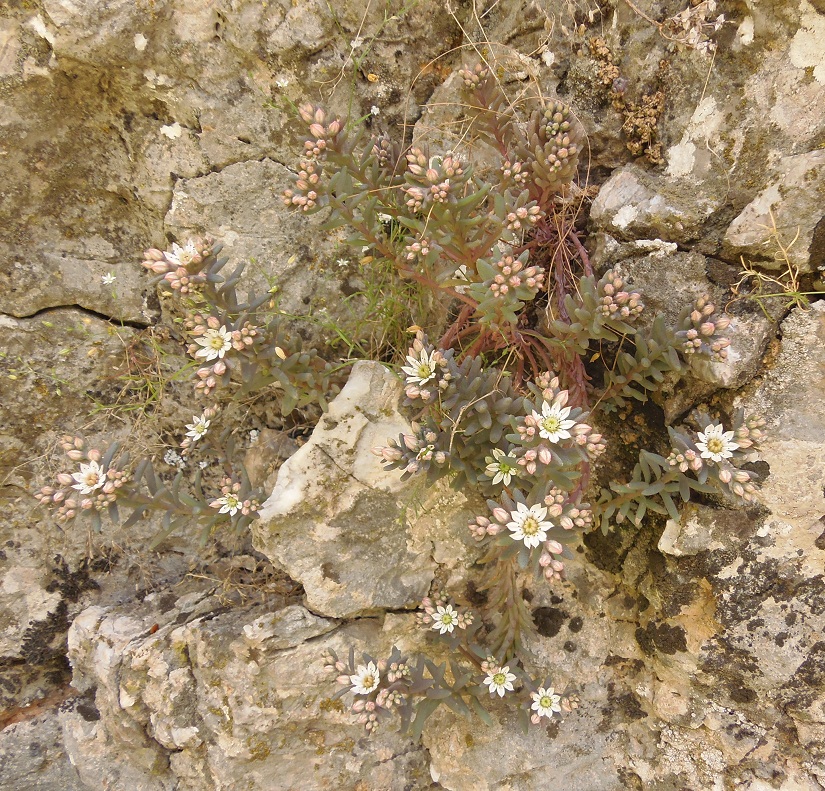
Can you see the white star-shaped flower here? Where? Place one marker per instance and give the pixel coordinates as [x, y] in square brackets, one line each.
[546, 702]
[366, 679]
[420, 369]
[229, 504]
[715, 443]
[216, 343]
[182, 256]
[500, 680]
[90, 478]
[553, 423]
[528, 524]
[107, 279]
[198, 427]
[501, 466]
[446, 619]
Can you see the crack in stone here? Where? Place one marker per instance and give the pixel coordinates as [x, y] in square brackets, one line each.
[137, 325]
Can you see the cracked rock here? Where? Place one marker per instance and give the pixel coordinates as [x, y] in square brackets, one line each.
[346, 529]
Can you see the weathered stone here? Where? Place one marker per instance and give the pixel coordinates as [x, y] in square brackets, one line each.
[634, 204]
[345, 528]
[787, 213]
[190, 695]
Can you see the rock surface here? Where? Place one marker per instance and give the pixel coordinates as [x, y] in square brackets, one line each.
[353, 534]
[696, 647]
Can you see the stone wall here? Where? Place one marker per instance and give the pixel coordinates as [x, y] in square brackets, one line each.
[696, 647]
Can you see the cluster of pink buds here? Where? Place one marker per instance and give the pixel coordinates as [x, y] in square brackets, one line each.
[689, 460]
[244, 337]
[700, 328]
[320, 134]
[472, 78]
[432, 171]
[305, 195]
[740, 483]
[92, 488]
[180, 266]
[418, 249]
[481, 527]
[616, 303]
[367, 713]
[522, 216]
[514, 171]
[568, 515]
[750, 432]
[552, 566]
[208, 378]
[512, 274]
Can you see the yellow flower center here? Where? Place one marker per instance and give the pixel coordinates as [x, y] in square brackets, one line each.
[499, 679]
[91, 479]
[368, 681]
[424, 371]
[217, 342]
[551, 424]
[715, 445]
[546, 702]
[530, 526]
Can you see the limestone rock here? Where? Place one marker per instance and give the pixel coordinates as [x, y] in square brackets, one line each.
[350, 532]
[789, 208]
[193, 694]
[634, 204]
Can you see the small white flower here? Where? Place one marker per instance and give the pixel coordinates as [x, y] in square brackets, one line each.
[381, 216]
[282, 82]
[375, 110]
[528, 524]
[366, 679]
[229, 504]
[553, 423]
[182, 256]
[446, 619]
[545, 702]
[108, 279]
[90, 478]
[197, 428]
[356, 42]
[501, 466]
[203, 464]
[500, 680]
[715, 443]
[253, 436]
[342, 262]
[215, 343]
[421, 369]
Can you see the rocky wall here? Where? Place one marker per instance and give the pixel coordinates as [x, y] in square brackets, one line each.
[696, 646]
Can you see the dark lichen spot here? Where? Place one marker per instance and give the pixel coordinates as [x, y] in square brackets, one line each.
[576, 624]
[569, 646]
[549, 620]
[661, 637]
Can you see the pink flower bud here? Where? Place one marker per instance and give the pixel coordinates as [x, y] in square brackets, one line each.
[500, 515]
[554, 546]
[213, 322]
[219, 368]
[725, 476]
[94, 455]
[75, 455]
[64, 479]
[341, 679]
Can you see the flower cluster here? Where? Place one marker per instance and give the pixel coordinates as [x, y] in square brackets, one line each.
[181, 267]
[699, 328]
[233, 499]
[198, 428]
[94, 487]
[615, 301]
[442, 616]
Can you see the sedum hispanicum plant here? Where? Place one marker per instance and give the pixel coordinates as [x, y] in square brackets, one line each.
[239, 348]
[503, 397]
[504, 400]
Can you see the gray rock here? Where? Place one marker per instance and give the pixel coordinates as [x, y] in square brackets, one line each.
[337, 521]
[634, 204]
[211, 699]
[787, 212]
